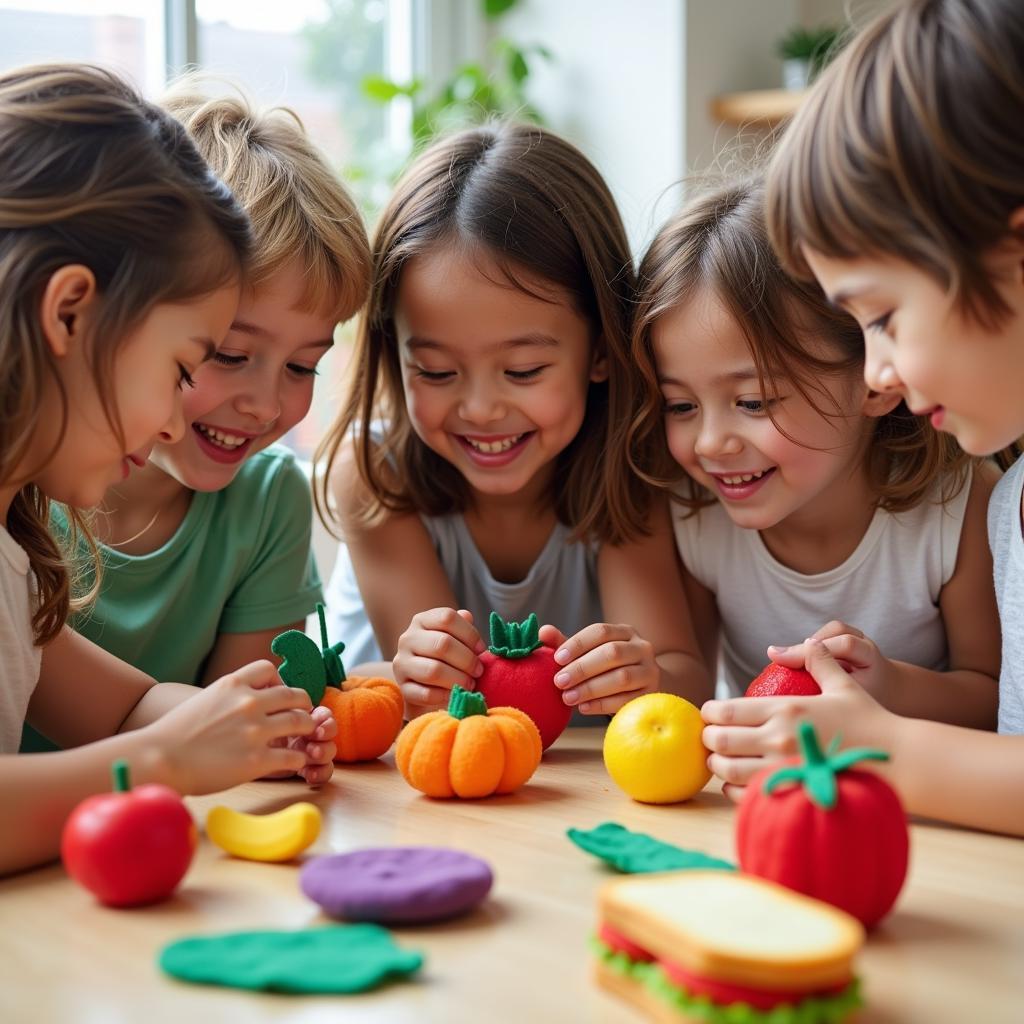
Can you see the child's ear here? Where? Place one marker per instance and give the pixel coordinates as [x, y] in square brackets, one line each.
[599, 363]
[68, 298]
[880, 403]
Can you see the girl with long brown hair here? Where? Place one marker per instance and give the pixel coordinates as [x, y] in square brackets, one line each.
[465, 466]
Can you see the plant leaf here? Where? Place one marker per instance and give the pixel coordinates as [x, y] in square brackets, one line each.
[636, 853]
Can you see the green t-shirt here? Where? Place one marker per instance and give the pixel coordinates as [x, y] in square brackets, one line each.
[241, 561]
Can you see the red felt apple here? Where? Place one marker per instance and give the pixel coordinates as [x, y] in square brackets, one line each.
[129, 847]
[826, 829]
[779, 681]
[519, 672]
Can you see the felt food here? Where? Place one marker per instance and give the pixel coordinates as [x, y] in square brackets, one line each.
[519, 672]
[398, 884]
[368, 709]
[779, 681]
[827, 829]
[719, 947]
[129, 847]
[636, 853]
[653, 749]
[468, 750]
[334, 960]
[270, 837]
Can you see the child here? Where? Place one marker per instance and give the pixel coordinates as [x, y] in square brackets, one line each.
[120, 256]
[207, 547]
[808, 496]
[464, 466]
[899, 186]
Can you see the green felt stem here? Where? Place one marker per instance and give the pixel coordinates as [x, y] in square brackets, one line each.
[820, 768]
[333, 665]
[119, 772]
[514, 639]
[464, 703]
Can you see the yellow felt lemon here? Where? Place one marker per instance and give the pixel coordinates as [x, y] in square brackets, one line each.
[270, 837]
[653, 749]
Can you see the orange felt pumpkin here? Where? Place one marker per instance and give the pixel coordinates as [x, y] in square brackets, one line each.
[368, 710]
[468, 750]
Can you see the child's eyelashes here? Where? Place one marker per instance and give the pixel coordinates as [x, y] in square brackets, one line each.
[677, 408]
[229, 359]
[758, 406]
[522, 375]
[436, 376]
[303, 371]
[185, 378]
[442, 376]
[880, 324]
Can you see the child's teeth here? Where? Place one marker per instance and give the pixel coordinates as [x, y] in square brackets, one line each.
[493, 447]
[744, 478]
[222, 439]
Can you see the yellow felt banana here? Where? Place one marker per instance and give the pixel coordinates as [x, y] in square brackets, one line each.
[273, 837]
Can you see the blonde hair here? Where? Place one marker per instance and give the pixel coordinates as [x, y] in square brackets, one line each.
[719, 242]
[91, 174]
[297, 205]
[535, 205]
[910, 145]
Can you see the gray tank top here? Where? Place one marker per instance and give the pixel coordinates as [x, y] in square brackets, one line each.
[561, 587]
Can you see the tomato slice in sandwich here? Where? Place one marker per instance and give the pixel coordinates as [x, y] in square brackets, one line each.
[618, 942]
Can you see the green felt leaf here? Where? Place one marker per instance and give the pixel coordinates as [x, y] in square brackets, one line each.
[636, 853]
[334, 959]
[819, 1009]
[303, 663]
[514, 639]
[464, 703]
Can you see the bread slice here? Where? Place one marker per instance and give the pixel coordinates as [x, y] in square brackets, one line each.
[735, 928]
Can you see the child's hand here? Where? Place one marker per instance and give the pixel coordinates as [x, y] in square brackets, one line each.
[604, 666]
[747, 733]
[851, 648]
[436, 652]
[225, 734]
[318, 747]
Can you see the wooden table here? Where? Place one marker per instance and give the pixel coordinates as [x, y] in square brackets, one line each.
[953, 951]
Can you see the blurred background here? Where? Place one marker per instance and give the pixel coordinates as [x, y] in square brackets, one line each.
[651, 90]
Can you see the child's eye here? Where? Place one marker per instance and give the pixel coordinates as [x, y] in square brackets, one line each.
[303, 371]
[678, 408]
[438, 376]
[880, 324]
[228, 360]
[525, 374]
[185, 378]
[758, 406]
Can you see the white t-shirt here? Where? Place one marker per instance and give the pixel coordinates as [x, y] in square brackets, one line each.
[19, 663]
[889, 587]
[1007, 542]
[561, 587]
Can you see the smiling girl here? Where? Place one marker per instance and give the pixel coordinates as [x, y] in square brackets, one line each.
[206, 548]
[465, 468]
[807, 497]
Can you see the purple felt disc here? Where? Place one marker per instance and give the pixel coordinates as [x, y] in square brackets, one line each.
[396, 884]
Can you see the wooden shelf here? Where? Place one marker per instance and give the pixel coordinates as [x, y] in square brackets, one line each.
[766, 106]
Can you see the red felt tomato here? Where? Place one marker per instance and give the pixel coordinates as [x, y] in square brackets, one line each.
[779, 681]
[129, 847]
[519, 672]
[826, 829]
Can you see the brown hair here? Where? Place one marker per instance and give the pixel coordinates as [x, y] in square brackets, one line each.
[538, 207]
[910, 145]
[719, 242]
[92, 174]
[297, 205]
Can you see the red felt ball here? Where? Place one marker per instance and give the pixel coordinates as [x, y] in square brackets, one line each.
[528, 684]
[779, 681]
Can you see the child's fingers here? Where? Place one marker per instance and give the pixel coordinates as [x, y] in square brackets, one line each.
[737, 741]
[550, 635]
[292, 722]
[451, 622]
[734, 793]
[736, 771]
[630, 680]
[749, 710]
[275, 699]
[591, 637]
[856, 651]
[791, 657]
[317, 774]
[257, 674]
[442, 648]
[283, 759]
[435, 674]
[836, 628]
[420, 698]
[615, 654]
[608, 705]
[825, 669]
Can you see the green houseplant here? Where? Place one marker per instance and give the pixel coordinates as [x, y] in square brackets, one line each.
[805, 51]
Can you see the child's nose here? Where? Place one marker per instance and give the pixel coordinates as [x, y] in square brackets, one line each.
[481, 404]
[174, 429]
[880, 373]
[262, 402]
[716, 439]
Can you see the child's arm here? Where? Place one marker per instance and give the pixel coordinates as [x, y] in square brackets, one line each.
[233, 650]
[399, 576]
[607, 665]
[197, 741]
[963, 776]
[967, 693]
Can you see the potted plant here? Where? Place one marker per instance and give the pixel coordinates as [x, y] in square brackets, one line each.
[804, 52]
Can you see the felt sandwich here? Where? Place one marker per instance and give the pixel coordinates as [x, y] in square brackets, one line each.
[719, 947]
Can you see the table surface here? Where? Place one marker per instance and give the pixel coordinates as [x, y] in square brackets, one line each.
[953, 950]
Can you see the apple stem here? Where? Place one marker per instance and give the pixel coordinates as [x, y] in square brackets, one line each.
[119, 771]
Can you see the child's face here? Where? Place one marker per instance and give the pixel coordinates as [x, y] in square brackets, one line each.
[495, 380]
[967, 378]
[150, 371]
[254, 390]
[717, 426]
